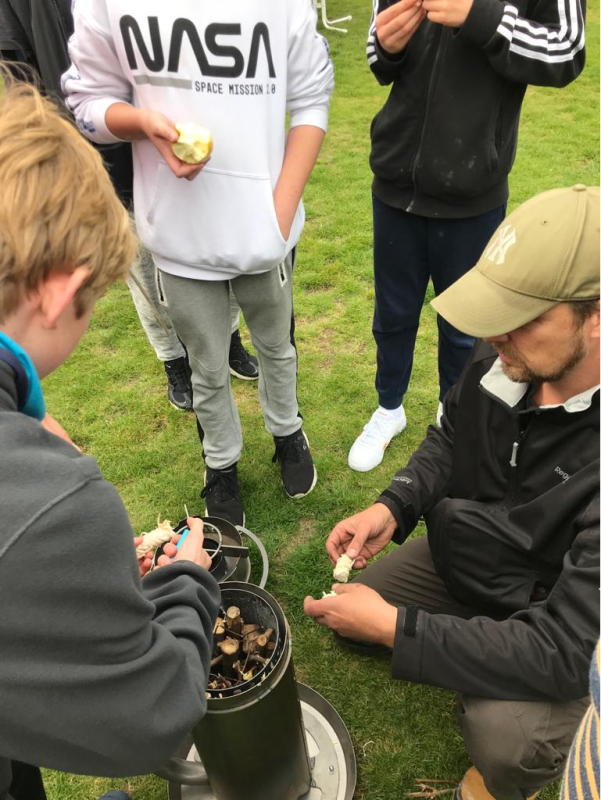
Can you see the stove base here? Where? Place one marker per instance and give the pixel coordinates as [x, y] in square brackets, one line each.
[332, 760]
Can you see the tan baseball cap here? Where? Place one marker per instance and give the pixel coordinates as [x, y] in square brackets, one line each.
[545, 252]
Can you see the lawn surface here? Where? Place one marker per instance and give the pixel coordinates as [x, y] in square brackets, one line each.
[111, 396]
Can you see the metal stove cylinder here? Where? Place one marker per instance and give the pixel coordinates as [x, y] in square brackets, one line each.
[252, 745]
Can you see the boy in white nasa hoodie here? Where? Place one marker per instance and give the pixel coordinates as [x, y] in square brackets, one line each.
[235, 67]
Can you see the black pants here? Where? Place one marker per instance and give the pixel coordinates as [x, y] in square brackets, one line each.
[408, 251]
[26, 782]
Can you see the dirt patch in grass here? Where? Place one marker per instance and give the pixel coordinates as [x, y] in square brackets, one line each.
[304, 533]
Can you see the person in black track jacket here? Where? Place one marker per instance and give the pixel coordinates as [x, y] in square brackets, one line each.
[442, 148]
[500, 603]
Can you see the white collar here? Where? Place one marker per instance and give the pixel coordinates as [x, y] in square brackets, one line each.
[495, 382]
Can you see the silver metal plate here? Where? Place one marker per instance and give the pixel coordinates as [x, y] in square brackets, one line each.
[332, 759]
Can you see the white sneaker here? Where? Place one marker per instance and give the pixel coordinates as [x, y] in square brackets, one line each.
[439, 415]
[368, 450]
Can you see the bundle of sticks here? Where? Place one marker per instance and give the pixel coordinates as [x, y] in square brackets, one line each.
[240, 650]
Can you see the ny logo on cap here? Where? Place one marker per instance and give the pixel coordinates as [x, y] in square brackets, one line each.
[505, 238]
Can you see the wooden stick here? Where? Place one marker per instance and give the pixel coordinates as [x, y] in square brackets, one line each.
[249, 643]
[246, 629]
[260, 645]
[233, 620]
[229, 648]
[256, 659]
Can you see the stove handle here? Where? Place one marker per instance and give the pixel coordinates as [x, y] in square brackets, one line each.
[264, 557]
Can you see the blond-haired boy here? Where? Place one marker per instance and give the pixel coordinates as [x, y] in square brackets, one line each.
[99, 673]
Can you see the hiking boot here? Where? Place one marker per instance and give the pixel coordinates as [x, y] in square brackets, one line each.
[179, 388]
[368, 449]
[222, 495]
[472, 787]
[296, 465]
[242, 364]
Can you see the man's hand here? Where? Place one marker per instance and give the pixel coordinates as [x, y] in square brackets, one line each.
[451, 13]
[191, 550]
[362, 536]
[161, 132]
[397, 24]
[357, 612]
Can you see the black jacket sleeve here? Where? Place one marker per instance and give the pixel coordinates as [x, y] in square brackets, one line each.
[385, 66]
[544, 46]
[540, 654]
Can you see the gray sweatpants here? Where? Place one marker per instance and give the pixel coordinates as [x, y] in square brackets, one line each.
[163, 340]
[517, 746]
[200, 313]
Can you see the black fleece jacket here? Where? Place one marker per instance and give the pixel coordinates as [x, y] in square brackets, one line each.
[510, 496]
[444, 142]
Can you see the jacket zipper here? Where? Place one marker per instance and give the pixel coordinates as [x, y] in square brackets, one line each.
[423, 129]
[513, 461]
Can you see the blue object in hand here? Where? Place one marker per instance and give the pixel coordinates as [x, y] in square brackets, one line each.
[182, 538]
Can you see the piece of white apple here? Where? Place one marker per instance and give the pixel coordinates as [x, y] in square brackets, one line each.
[195, 143]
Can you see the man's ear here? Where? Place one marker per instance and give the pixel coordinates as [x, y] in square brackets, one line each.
[57, 291]
[595, 324]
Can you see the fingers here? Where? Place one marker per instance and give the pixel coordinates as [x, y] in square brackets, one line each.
[346, 588]
[195, 173]
[170, 549]
[163, 561]
[196, 526]
[337, 544]
[357, 544]
[334, 547]
[164, 129]
[395, 35]
[310, 606]
[396, 10]
[179, 168]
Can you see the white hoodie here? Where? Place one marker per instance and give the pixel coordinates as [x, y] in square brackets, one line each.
[234, 66]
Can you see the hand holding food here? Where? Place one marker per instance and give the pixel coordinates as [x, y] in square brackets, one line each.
[195, 143]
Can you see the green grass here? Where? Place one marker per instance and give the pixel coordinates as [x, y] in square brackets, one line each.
[111, 397]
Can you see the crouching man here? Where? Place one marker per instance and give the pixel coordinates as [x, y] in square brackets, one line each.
[500, 602]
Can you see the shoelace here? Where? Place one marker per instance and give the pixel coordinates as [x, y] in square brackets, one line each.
[375, 428]
[290, 451]
[223, 484]
[178, 378]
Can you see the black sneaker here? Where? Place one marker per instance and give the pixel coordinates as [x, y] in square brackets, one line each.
[179, 388]
[242, 364]
[222, 494]
[298, 472]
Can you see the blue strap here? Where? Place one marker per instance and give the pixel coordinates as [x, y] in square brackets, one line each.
[22, 379]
